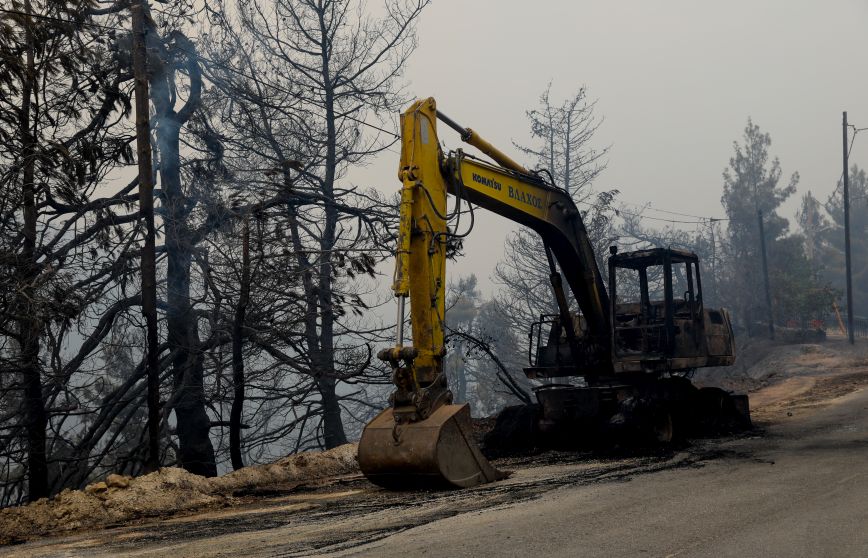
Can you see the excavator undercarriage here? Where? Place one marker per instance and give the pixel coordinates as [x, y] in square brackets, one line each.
[626, 353]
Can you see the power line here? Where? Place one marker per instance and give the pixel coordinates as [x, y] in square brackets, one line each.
[672, 221]
[701, 219]
[705, 219]
[840, 181]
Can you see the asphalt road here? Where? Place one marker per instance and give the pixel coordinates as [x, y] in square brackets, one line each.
[801, 489]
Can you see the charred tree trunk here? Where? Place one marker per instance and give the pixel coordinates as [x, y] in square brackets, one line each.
[28, 273]
[196, 452]
[237, 355]
[320, 353]
[333, 427]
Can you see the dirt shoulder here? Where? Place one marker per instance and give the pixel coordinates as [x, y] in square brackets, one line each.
[786, 379]
[119, 500]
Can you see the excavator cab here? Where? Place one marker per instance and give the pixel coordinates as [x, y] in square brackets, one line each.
[658, 321]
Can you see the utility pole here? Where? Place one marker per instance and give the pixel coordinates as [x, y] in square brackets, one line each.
[146, 212]
[759, 214]
[847, 231]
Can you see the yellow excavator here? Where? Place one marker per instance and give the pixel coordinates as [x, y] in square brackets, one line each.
[628, 350]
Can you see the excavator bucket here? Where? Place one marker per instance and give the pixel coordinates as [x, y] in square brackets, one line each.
[438, 452]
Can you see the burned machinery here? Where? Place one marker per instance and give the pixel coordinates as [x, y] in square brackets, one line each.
[624, 354]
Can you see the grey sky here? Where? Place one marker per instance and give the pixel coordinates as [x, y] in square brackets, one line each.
[675, 82]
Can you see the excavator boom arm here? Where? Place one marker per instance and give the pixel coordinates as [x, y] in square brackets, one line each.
[552, 214]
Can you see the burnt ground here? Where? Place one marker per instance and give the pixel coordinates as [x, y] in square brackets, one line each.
[348, 511]
[340, 513]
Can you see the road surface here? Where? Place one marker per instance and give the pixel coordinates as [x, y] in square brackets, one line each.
[799, 490]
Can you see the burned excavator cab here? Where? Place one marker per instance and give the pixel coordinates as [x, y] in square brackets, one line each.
[658, 322]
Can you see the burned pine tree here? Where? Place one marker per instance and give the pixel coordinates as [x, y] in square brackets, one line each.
[174, 60]
[65, 243]
[302, 80]
[563, 152]
[484, 361]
